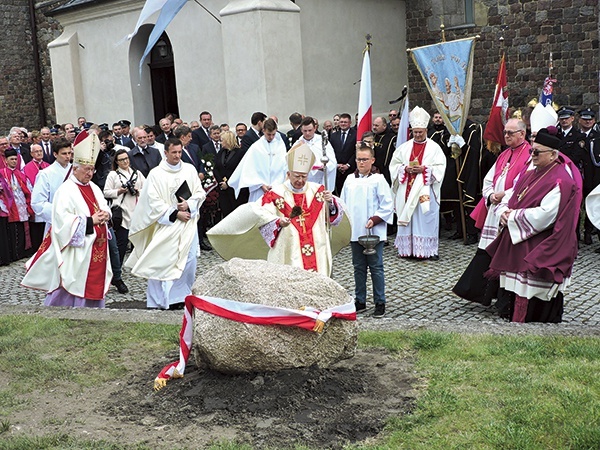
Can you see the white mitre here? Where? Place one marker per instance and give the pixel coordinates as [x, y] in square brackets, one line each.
[419, 118]
[86, 148]
[300, 159]
[542, 117]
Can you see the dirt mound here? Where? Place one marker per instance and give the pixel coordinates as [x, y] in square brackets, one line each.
[321, 408]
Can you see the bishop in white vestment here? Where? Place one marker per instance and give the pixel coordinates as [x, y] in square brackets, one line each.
[72, 263]
[417, 170]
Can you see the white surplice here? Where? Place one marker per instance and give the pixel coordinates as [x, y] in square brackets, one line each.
[365, 197]
[46, 184]
[316, 174]
[162, 248]
[264, 163]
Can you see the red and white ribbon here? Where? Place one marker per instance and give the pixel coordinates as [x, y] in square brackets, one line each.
[309, 318]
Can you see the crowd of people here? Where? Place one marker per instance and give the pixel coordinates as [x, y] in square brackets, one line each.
[156, 191]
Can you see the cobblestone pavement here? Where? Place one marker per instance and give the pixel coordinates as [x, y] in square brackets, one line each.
[418, 293]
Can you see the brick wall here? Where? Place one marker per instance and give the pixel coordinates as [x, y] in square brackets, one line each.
[18, 96]
[567, 28]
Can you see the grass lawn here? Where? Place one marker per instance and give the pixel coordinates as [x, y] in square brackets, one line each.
[478, 391]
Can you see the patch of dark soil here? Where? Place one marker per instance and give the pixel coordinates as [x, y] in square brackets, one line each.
[320, 408]
[127, 304]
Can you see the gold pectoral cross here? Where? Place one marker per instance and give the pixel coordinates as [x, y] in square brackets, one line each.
[301, 219]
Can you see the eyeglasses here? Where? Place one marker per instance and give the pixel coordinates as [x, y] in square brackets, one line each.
[536, 152]
[123, 159]
[511, 132]
[361, 160]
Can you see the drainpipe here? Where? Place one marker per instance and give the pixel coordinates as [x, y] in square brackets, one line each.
[36, 65]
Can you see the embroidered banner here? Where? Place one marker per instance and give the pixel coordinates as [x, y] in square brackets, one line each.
[447, 69]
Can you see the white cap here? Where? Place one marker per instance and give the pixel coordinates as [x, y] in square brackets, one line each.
[300, 159]
[419, 118]
[542, 117]
[86, 148]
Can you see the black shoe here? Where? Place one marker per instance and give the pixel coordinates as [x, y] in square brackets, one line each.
[360, 306]
[587, 238]
[386, 243]
[205, 246]
[176, 306]
[457, 235]
[434, 258]
[471, 239]
[379, 310]
[121, 286]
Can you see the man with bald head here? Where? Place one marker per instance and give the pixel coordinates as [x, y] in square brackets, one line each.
[385, 144]
[500, 178]
[143, 157]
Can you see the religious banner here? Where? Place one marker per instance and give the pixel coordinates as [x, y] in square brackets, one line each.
[450, 64]
[548, 88]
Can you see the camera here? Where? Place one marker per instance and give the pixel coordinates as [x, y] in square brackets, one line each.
[130, 186]
[109, 145]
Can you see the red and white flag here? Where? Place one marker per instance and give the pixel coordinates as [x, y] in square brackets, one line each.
[494, 130]
[404, 128]
[365, 105]
[309, 319]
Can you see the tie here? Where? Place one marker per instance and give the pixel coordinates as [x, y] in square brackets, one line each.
[343, 137]
[217, 147]
[46, 149]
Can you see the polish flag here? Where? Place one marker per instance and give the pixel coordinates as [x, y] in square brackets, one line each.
[494, 130]
[308, 318]
[365, 105]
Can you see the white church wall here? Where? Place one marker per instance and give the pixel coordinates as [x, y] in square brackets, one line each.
[332, 38]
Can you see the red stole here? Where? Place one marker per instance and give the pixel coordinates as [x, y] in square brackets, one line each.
[416, 154]
[94, 285]
[303, 223]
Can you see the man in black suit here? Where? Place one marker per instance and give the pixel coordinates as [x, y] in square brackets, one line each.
[165, 126]
[240, 131]
[143, 157]
[46, 144]
[255, 131]
[296, 132]
[344, 146]
[15, 139]
[201, 136]
[213, 146]
[190, 153]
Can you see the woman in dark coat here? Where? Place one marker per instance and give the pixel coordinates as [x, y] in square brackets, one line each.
[226, 162]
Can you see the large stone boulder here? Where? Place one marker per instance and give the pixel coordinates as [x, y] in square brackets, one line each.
[234, 347]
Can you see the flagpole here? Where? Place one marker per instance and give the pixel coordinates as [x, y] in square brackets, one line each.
[456, 152]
